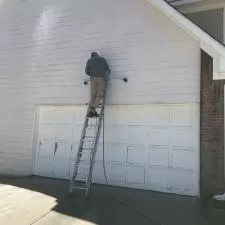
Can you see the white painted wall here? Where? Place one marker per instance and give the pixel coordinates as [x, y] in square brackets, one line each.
[44, 47]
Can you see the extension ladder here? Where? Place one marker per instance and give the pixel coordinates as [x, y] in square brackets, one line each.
[88, 146]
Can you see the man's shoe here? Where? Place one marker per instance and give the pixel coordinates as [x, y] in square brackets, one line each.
[95, 114]
[90, 114]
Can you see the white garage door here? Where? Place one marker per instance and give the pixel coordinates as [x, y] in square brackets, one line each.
[154, 147]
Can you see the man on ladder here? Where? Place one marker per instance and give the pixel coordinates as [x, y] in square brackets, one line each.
[97, 68]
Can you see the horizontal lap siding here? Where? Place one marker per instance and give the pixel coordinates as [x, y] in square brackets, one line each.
[44, 47]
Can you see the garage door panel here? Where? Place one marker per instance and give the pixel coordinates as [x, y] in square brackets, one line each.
[98, 173]
[115, 134]
[135, 175]
[71, 168]
[44, 167]
[182, 137]
[181, 181]
[133, 120]
[151, 146]
[62, 116]
[45, 148]
[77, 130]
[99, 153]
[159, 136]
[137, 155]
[64, 132]
[75, 146]
[136, 135]
[44, 163]
[157, 178]
[57, 116]
[115, 153]
[115, 115]
[158, 157]
[63, 149]
[46, 115]
[115, 173]
[61, 168]
[182, 116]
[46, 131]
[79, 115]
[159, 116]
[183, 159]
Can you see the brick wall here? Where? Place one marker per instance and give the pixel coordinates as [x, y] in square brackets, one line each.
[211, 129]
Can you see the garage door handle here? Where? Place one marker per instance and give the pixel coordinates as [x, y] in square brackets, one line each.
[55, 149]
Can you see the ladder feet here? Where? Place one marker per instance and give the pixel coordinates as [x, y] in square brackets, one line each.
[87, 194]
[70, 191]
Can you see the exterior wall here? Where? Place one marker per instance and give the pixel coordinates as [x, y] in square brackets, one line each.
[211, 130]
[44, 47]
[211, 21]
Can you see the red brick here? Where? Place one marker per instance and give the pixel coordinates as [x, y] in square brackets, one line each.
[211, 129]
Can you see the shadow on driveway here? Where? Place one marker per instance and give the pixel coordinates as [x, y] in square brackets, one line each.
[118, 206]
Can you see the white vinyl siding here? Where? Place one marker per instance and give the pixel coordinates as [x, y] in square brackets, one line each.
[44, 47]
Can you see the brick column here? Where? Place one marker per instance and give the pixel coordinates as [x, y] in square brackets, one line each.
[211, 129]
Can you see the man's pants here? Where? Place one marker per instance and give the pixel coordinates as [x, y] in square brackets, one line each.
[97, 91]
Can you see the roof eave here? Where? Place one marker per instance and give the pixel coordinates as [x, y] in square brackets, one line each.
[207, 43]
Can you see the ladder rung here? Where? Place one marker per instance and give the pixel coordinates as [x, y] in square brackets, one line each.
[94, 118]
[87, 149]
[92, 126]
[79, 185]
[81, 152]
[81, 178]
[86, 141]
[88, 136]
[83, 166]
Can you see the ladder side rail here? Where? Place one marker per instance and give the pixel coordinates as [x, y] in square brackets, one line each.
[81, 144]
[101, 116]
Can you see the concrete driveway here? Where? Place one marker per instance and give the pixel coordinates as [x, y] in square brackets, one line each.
[38, 201]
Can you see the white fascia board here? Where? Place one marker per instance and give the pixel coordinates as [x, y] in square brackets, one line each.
[184, 2]
[219, 68]
[207, 43]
